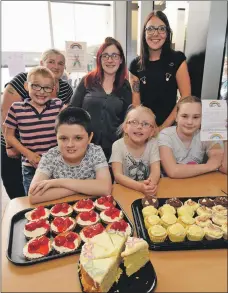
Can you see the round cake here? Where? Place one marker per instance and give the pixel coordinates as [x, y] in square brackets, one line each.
[37, 214]
[121, 227]
[37, 248]
[62, 224]
[66, 242]
[91, 231]
[175, 202]
[111, 215]
[105, 202]
[87, 218]
[207, 202]
[150, 201]
[35, 229]
[61, 210]
[83, 205]
[221, 200]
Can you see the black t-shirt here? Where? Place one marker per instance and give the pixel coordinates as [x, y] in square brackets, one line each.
[107, 111]
[158, 86]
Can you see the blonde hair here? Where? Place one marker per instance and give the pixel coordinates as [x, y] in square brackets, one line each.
[188, 99]
[120, 130]
[41, 70]
[48, 52]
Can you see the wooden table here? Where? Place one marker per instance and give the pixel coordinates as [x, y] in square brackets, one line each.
[177, 271]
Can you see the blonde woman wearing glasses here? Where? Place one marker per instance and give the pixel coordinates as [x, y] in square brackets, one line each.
[106, 94]
[159, 71]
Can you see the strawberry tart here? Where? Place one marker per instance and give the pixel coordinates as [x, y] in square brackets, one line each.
[120, 227]
[87, 218]
[66, 242]
[37, 214]
[61, 210]
[104, 202]
[83, 205]
[89, 232]
[62, 224]
[111, 215]
[37, 248]
[34, 229]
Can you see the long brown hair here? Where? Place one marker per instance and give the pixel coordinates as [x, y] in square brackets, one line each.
[97, 75]
[166, 48]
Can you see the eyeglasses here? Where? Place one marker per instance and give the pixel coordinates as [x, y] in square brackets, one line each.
[144, 124]
[161, 29]
[113, 56]
[37, 87]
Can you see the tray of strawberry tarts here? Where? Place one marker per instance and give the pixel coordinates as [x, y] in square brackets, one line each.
[54, 231]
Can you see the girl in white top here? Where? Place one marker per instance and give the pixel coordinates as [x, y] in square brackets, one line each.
[181, 150]
[135, 157]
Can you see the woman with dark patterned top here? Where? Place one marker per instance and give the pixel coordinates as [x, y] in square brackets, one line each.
[159, 71]
[106, 94]
[15, 92]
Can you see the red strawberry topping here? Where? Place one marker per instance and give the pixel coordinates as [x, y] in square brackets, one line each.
[62, 224]
[31, 226]
[105, 200]
[119, 226]
[39, 245]
[60, 207]
[66, 240]
[85, 204]
[112, 212]
[38, 213]
[94, 230]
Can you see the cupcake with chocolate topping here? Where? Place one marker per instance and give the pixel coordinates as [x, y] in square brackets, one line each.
[174, 202]
[207, 202]
[150, 201]
[221, 200]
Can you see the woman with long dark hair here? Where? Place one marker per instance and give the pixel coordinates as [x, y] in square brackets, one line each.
[106, 94]
[159, 71]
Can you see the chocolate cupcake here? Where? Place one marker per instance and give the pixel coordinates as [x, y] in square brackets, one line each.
[221, 200]
[207, 202]
[174, 202]
[150, 201]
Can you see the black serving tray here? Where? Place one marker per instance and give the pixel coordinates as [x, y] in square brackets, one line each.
[17, 238]
[143, 281]
[167, 244]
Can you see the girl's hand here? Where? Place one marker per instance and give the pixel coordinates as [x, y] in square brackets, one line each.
[148, 189]
[40, 187]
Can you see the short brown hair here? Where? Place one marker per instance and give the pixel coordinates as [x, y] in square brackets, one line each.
[43, 71]
[188, 99]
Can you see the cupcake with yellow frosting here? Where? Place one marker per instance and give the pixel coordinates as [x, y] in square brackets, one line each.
[202, 210]
[203, 221]
[219, 219]
[168, 219]
[186, 220]
[157, 233]
[149, 210]
[176, 232]
[166, 209]
[224, 230]
[195, 233]
[185, 210]
[213, 232]
[151, 221]
[220, 210]
[191, 203]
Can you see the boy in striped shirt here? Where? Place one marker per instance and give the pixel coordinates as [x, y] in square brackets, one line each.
[34, 118]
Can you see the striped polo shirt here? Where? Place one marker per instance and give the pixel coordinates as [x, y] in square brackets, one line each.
[64, 94]
[37, 130]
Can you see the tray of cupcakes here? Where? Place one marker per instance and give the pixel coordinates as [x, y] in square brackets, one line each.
[182, 223]
[53, 231]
